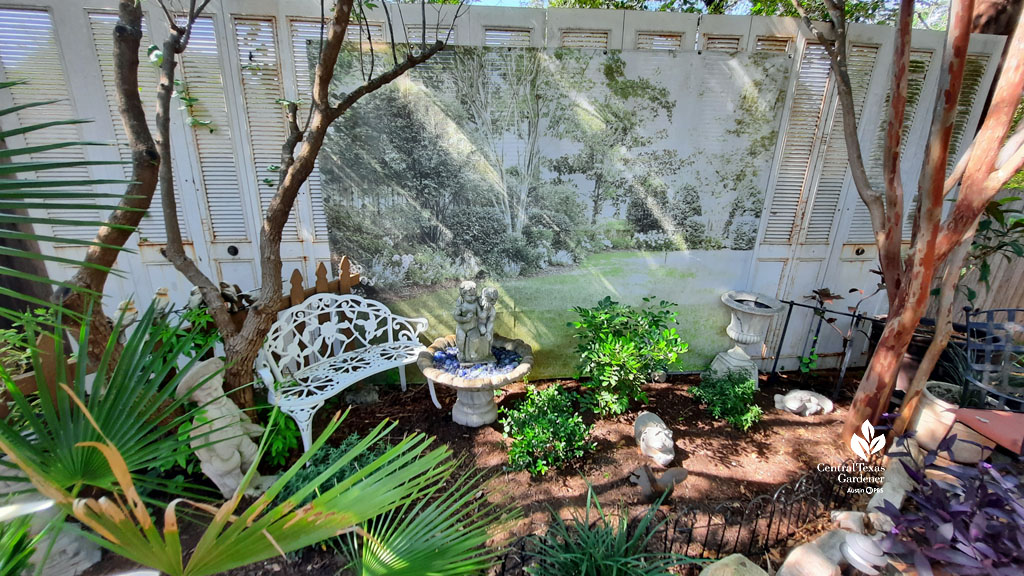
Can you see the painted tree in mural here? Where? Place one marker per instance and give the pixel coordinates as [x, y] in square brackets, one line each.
[614, 134]
[937, 245]
[151, 164]
[500, 94]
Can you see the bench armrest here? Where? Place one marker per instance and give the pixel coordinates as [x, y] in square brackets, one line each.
[411, 327]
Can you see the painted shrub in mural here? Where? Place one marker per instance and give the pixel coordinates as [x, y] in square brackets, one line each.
[560, 175]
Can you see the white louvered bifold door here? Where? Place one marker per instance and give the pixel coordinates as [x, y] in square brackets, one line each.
[859, 230]
[218, 167]
[833, 161]
[265, 116]
[151, 228]
[29, 53]
[800, 142]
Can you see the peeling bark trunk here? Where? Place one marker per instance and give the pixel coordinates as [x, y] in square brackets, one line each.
[138, 195]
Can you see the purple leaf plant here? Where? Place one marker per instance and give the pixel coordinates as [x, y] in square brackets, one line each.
[974, 525]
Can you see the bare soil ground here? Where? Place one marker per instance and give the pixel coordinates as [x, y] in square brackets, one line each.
[723, 463]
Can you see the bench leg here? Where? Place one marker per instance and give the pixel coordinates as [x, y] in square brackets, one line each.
[433, 394]
[401, 376]
[303, 416]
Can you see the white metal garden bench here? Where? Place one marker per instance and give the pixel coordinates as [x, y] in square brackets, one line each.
[327, 343]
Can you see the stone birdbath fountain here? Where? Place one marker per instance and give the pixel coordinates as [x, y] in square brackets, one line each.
[475, 361]
[751, 314]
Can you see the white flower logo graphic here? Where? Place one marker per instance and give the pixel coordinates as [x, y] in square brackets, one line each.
[866, 444]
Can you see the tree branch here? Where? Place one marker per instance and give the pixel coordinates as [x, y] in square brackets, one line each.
[409, 63]
[891, 240]
[981, 180]
[174, 250]
[933, 172]
[943, 330]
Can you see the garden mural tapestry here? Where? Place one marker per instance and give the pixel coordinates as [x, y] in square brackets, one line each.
[558, 176]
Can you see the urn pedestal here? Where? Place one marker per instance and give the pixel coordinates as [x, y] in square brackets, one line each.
[751, 314]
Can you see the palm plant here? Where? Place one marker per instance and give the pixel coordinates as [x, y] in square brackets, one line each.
[405, 474]
[603, 546]
[440, 536]
[132, 401]
[44, 189]
[16, 546]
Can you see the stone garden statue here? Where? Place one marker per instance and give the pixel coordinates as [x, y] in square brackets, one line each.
[654, 439]
[222, 433]
[474, 324]
[466, 321]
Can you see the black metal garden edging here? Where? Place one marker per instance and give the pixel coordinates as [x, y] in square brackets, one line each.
[713, 531]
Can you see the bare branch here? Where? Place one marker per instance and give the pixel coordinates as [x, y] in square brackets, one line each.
[933, 171]
[891, 241]
[943, 330]
[958, 171]
[410, 61]
[174, 250]
[336, 28]
[391, 34]
[171, 21]
[293, 139]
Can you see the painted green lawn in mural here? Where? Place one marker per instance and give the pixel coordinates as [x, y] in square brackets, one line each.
[562, 176]
[536, 308]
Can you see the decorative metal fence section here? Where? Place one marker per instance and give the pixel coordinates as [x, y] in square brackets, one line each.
[713, 531]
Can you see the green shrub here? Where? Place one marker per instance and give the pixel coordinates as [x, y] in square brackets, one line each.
[283, 439]
[620, 346]
[323, 459]
[729, 396]
[546, 431]
[603, 546]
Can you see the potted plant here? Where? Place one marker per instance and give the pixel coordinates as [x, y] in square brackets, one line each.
[934, 418]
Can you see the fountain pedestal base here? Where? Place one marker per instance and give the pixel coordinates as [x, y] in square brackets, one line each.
[474, 408]
[735, 360]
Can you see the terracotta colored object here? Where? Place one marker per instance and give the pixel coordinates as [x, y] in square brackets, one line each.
[475, 405]
[1002, 427]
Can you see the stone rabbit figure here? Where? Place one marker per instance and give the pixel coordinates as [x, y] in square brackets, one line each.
[654, 439]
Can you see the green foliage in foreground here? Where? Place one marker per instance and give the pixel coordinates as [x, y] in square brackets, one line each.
[40, 185]
[394, 486]
[602, 545]
[546, 431]
[729, 396]
[620, 346]
[16, 546]
[133, 403]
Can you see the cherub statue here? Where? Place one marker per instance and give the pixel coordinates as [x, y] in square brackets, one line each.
[481, 343]
[466, 322]
[221, 433]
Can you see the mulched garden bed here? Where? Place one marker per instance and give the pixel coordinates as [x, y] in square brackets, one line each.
[723, 463]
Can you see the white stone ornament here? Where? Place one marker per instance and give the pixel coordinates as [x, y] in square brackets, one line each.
[804, 403]
[654, 439]
[221, 434]
[751, 314]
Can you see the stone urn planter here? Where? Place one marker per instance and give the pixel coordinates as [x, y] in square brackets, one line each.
[934, 417]
[475, 385]
[751, 314]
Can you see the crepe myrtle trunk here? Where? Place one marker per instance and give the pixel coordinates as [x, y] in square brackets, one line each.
[936, 243]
